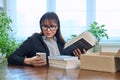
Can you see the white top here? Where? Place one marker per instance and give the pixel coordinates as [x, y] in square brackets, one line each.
[52, 46]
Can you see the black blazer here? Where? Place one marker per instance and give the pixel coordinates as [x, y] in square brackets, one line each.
[29, 48]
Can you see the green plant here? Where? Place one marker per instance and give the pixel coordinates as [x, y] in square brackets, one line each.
[98, 30]
[7, 43]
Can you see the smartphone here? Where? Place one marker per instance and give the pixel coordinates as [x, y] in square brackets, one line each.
[41, 54]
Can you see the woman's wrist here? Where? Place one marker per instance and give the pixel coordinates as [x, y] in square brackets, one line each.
[27, 61]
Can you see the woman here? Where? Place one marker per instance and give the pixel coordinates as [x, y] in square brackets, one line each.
[49, 41]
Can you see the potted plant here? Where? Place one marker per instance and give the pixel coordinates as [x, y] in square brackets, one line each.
[99, 32]
[7, 43]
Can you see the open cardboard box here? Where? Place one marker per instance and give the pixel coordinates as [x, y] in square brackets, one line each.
[102, 61]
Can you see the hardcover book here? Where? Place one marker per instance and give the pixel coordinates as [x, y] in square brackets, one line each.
[86, 40]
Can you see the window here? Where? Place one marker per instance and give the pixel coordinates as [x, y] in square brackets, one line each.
[75, 16]
[26, 15]
[108, 13]
[1, 3]
[72, 14]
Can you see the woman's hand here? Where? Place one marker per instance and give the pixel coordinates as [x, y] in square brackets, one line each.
[77, 52]
[35, 61]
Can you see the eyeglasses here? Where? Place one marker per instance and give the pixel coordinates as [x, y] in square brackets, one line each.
[52, 28]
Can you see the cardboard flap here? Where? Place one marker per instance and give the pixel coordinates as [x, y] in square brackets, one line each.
[118, 54]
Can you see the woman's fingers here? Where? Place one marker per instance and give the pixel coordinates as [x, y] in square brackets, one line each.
[77, 52]
[38, 61]
[84, 51]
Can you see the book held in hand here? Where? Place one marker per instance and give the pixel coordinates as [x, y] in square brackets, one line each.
[62, 61]
[86, 40]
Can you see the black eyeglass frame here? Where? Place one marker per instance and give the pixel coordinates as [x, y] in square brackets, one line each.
[52, 28]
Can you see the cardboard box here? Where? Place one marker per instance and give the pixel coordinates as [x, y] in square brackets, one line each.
[103, 61]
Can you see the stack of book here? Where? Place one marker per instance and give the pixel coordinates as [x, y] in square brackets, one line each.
[62, 61]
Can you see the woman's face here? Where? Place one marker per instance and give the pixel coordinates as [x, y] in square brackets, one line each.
[49, 28]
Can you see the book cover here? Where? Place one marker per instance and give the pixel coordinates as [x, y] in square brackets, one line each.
[86, 40]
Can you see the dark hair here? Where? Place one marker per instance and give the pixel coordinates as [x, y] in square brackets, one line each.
[52, 16]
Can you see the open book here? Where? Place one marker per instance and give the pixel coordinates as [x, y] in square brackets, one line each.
[86, 40]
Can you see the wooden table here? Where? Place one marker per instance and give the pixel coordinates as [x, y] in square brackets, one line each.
[12, 72]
